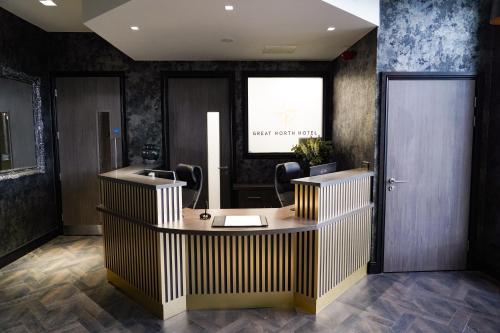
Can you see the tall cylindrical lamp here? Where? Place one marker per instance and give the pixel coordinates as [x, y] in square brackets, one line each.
[495, 13]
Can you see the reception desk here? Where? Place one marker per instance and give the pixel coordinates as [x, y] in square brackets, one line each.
[170, 261]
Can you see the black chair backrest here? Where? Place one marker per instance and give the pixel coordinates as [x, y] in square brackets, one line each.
[283, 174]
[193, 176]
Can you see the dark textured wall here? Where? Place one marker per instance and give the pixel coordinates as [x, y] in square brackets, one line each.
[88, 52]
[354, 107]
[488, 253]
[27, 204]
[429, 35]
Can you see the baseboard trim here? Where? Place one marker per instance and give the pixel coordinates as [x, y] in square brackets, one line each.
[278, 299]
[28, 247]
[83, 230]
[374, 268]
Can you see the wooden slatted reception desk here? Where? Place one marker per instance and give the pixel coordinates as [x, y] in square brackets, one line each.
[170, 261]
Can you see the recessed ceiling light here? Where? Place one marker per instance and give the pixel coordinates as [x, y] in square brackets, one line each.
[229, 7]
[134, 27]
[330, 28]
[49, 3]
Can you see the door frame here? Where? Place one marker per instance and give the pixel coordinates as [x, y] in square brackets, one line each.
[55, 141]
[230, 76]
[377, 265]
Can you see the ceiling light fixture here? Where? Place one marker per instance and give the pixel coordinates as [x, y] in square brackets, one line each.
[330, 28]
[229, 8]
[134, 27]
[48, 3]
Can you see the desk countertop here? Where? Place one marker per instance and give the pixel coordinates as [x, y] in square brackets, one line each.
[130, 175]
[332, 178]
[280, 220]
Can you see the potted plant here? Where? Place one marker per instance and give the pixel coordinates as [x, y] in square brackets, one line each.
[313, 152]
[150, 153]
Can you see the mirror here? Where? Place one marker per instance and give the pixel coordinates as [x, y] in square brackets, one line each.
[21, 146]
[5, 149]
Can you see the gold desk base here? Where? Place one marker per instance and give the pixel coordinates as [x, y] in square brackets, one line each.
[163, 311]
[288, 300]
[241, 301]
[312, 305]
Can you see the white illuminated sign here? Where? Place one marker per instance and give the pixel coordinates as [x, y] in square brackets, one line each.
[281, 110]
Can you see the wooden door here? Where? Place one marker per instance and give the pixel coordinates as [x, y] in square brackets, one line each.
[88, 124]
[189, 100]
[429, 147]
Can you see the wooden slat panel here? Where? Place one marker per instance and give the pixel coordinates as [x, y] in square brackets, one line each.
[251, 276]
[142, 203]
[328, 202]
[150, 261]
[344, 248]
[239, 264]
[217, 277]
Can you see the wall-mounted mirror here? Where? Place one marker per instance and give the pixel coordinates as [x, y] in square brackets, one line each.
[21, 147]
[5, 148]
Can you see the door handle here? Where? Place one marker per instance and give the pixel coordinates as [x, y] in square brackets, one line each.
[394, 181]
[223, 168]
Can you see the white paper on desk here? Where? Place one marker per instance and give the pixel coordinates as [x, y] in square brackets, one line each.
[242, 221]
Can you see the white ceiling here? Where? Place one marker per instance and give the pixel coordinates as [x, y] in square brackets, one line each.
[67, 16]
[368, 10]
[194, 29]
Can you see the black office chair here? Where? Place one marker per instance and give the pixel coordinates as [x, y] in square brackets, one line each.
[283, 174]
[193, 176]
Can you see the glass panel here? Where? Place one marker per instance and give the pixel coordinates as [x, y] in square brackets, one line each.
[213, 145]
[103, 142]
[16, 99]
[5, 149]
[108, 142]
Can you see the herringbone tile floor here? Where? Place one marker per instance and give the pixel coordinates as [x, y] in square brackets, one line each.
[61, 287]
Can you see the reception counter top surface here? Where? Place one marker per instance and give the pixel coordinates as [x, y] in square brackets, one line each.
[280, 220]
[332, 178]
[130, 174]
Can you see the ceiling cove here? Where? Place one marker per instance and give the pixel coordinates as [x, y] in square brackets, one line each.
[212, 29]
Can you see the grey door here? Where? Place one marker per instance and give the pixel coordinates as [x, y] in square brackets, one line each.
[429, 147]
[88, 124]
[189, 100]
